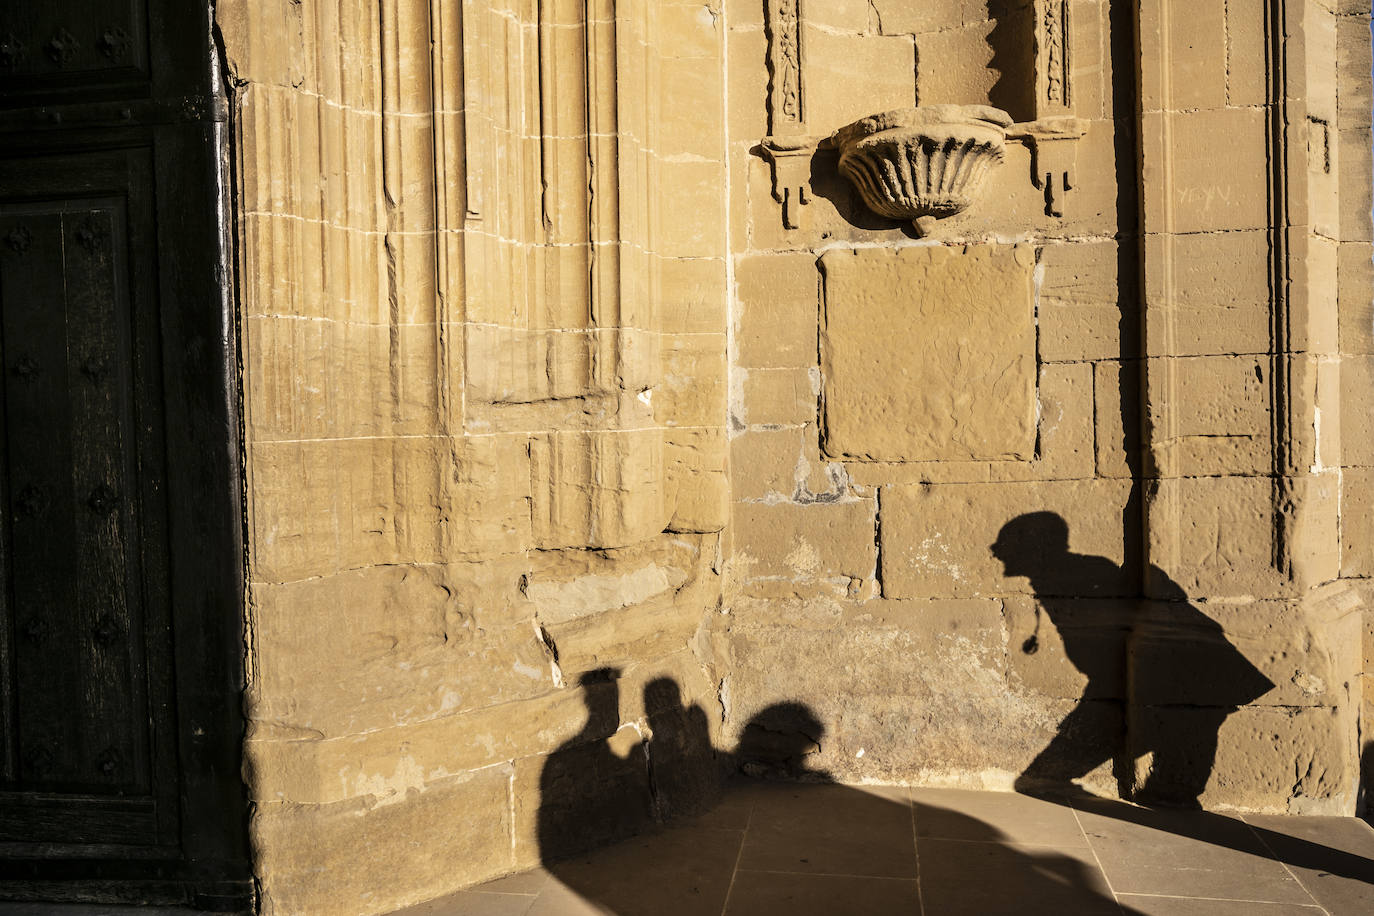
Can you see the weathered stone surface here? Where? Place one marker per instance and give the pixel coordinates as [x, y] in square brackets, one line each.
[836, 63]
[1079, 313]
[829, 542]
[1357, 522]
[928, 353]
[1116, 411]
[778, 326]
[361, 858]
[535, 381]
[1037, 661]
[936, 539]
[1209, 191]
[1293, 761]
[779, 397]
[1219, 299]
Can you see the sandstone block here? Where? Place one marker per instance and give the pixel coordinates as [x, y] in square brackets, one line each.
[597, 489]
[1355, 61]
[1074, 649]
[814, 611]
[779, 295]
[897, 17]
[1116, 398]
[1295, 653]
[1357, 423]
[322, 506]
[954, 63]
[692, 195]
[936, 539]
[1219, 169]
[1220, 416]
[1217, 300]
[802, 543]
[1214, 536]
[766, 464]
[1197, 55]
[363, 861]
[692, 388]
[691, 120]
[1354, 162]
[748, 114]
[968, 314]
[779, 397]
[693, 295]
[874, 690]
[697, 488]
[1080, 313]
[1355, 293]
[836, 63]
[844, 15]
[1258, 752]
[1245, 77]
[1357, 522]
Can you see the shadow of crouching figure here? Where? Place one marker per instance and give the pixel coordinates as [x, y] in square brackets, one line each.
[1183, 677]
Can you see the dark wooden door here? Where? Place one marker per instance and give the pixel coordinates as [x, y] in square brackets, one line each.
[120, 540]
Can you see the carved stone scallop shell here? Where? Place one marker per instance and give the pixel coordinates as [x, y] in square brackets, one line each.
[930, 161]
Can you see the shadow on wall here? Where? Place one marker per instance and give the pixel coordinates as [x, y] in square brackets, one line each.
[610, 783]
[594, 793]
[1013, 57]
[1165, 666]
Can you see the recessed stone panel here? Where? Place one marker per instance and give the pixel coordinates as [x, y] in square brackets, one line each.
[928, 353]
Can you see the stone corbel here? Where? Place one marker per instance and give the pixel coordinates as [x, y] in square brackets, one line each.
[790, 159]
[788, 146]
[1054, 156]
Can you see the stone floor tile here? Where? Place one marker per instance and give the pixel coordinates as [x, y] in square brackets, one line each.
[762, 893]
[732, 812]
[559, 901]
[961, 878]
[1194, 906]
[834, 830]
[1184, 854]
[526, 882]
[1332, 857]
[959, 814]
[471, 903]
[680, 872]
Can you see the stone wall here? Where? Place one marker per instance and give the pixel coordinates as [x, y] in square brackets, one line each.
[482, 274]
[1141, 343]
[594, 419]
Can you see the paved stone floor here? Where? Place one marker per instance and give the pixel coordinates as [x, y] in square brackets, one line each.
[800, 850]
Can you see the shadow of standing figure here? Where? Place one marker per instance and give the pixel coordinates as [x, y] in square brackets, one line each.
[589, 794]
[774, 846]
[1205, 672]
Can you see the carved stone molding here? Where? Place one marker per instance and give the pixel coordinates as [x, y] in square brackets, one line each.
[788, 145]
[1054, 156]
[1053, 70]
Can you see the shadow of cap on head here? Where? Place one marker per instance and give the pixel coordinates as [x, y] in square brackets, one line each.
[1032, 534]
[598, 676]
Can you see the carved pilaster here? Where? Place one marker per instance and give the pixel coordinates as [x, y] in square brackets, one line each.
[788, 145]
[1054, 133]
[1053, 89]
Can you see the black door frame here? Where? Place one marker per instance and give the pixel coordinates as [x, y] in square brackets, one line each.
[181, 118]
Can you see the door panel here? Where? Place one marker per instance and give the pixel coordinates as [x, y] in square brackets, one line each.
[120, 521]
[84, 534]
